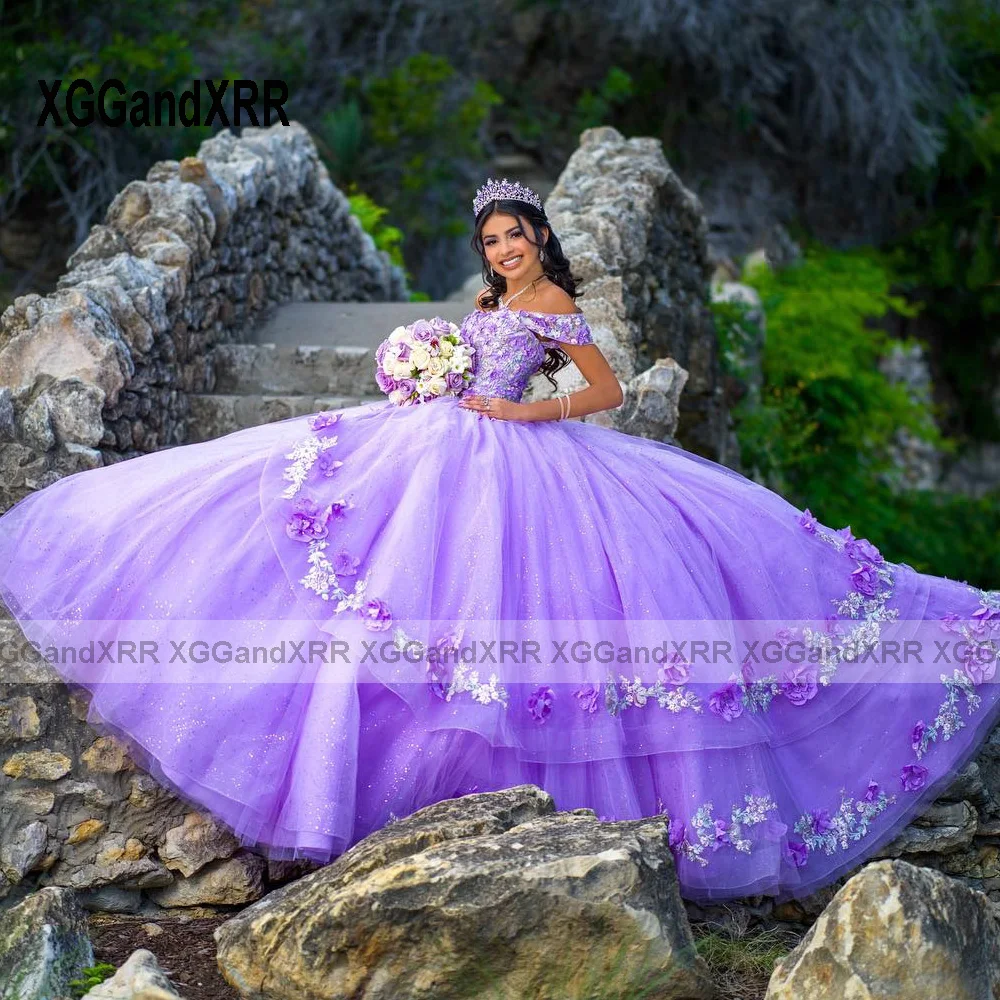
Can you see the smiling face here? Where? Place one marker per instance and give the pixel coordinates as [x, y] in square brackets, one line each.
[508, 249]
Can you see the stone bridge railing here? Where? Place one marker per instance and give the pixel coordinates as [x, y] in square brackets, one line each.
[188, 258]
[637, 241]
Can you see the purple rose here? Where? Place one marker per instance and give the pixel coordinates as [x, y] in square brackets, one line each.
[979, 662]
[345, 565]
[800, 684]
[721, 834]
[339, 508]
[984, 622]
[917, 734]
[448, 643]
[442, 326]
[674, 670]
[913, 777]
[403, 352]
[948, 622]
[726, 702]
[540, 703]
[325, 418]
[327, 464]
[807, 521]
[439, 675]
[307, 521]
[455, 381]
[797, 852]
[820, 820]
[863, 551]
[407, 386]
[984, 613]
[872, 793]
[422, 330]
[845, 533]
[589, 695]
[375, 614]
[865, 580]
[385, 382]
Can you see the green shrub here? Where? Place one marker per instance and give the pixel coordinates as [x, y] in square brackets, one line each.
[827, 415]
[92, 975]
[820, 430]
[410, 137]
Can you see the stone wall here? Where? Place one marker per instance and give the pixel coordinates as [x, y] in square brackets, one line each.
[190, 257]
[636, 239]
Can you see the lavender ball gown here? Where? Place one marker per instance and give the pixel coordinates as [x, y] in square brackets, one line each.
[402, 526]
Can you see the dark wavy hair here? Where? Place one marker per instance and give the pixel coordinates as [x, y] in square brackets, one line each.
[555, 266]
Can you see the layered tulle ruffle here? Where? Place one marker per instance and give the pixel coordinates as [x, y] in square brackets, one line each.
[424, 529]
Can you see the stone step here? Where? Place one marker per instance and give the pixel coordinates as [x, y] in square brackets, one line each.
[213, 415]
[286, 369]
[349, 324]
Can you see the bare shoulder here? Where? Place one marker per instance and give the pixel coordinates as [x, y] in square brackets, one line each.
[553, 299]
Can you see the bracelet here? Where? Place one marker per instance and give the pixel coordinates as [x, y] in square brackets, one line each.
[561, 413]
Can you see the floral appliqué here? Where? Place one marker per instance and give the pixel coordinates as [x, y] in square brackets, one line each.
[311, 522]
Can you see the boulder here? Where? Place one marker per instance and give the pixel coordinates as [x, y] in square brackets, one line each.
[140, 978]
[492, 894]
[44, 945]
[896, 930]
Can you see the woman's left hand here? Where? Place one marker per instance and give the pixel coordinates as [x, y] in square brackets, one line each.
[494, 407]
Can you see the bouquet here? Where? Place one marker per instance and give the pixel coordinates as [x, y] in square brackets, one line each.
[419, 362]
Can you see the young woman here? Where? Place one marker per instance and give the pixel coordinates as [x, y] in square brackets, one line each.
[679, 640]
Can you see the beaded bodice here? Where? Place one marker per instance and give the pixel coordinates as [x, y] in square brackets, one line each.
[510, 346]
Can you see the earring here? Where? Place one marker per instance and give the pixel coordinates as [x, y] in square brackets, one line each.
[541, 255]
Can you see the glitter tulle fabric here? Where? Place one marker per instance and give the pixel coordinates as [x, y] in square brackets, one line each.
[371, 518]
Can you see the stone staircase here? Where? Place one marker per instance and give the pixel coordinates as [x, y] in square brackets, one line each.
[307, 356]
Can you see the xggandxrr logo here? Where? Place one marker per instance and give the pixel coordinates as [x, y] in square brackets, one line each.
[114, 106]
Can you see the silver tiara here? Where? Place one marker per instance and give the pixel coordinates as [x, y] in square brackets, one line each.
[494, 190]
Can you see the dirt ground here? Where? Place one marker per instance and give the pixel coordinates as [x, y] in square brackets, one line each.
[185, 950]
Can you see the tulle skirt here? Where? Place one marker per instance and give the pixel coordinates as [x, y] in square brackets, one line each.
[314, 627]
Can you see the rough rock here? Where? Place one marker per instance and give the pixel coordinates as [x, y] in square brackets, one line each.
[945, 826]
[232, 881]
[637, 240]
[651, 404]
[185, 259]
[196, 842]
[138, 978]
[43, 946]
[896, 930]
[492, 894]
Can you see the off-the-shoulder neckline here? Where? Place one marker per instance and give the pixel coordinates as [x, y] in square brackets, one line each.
[530, 312]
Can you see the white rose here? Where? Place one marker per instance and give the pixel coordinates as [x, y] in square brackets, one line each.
[402, 369]
[436, 386]
[397, 335]
[447, 349]
[420, 357]
[397, 397]
[436, 366]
